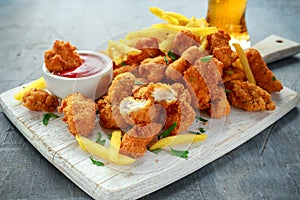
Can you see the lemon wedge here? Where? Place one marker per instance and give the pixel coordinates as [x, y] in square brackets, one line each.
[38, 84]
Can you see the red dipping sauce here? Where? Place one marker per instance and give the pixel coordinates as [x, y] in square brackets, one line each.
[91, 65]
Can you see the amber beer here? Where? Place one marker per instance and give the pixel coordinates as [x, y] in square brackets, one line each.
[229, 15]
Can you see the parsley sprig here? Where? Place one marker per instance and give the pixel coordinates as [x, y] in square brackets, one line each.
[47, 116]
[167, 132]
[178, 153]
[96, 162]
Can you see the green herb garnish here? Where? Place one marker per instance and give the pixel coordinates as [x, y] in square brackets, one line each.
[229, 72]
[47, 117]
[167, 132]
[98, 139]
[181, 154]
[273, 78]
[206, 58]
[96, 162]
[166, 60]
[172, 55]
[136, 82]
[201, 119]
[227, 91]
[156, 151]
[123, 63]
[202, 130]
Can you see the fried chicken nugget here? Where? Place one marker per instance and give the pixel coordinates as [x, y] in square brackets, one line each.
[134, 142]
[218, 46]
[61, 57]
[121, 87]
[182, 114]
[40, 100]
[137, 111]
[153, 69]
[264, 77]
[175, 70]
[79, 113]
[248, 96]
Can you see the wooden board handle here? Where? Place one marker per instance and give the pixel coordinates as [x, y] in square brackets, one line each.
[274, 48]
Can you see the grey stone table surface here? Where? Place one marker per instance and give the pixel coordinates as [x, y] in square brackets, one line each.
[266, 167]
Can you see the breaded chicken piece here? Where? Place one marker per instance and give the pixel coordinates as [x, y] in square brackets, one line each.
[62, 56]
[198, 86]
[176, 105]
[121, 87]
[134, 142]
[250, 97]
[182, 114]
[205, 80]
[233, 73]
[149, 49]
[218, 46]
[153, 69]
[264, 77]
[40, 100]
[123, 69]
[105, 114]
[79, 113]
[184, 40]
[137, 111]
[183, 94]
[189, 56]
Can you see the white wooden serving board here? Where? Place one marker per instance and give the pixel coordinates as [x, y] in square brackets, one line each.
[151, 172]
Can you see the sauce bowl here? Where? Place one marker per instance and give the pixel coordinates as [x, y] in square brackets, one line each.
[91, 85]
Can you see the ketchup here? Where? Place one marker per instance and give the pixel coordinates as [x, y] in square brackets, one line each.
[91, 65]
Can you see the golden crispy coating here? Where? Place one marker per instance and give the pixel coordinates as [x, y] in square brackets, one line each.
[106, 116]
[121, 87]
[123, 69]
[218, 46]
[137, 111]
[153, 69]
[180, 113]
[198, 86]
[40, 100]
[264, 77]
[233, 73]
[134, 142]
[250, 97]
[189, 56]
[61, 57]
[183, 94]
[184, 40]
[149, 49]
[79, 113]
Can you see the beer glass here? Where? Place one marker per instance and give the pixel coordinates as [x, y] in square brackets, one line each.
[229, 15]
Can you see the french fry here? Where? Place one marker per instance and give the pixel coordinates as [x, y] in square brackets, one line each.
[115, 143]
[198, 31]
[171, 17]
[38, 84]
[102, 151]
[244, 62]
[177, 140]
